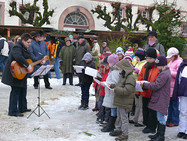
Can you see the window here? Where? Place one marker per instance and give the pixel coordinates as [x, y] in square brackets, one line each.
[76, 18]
[144, 14]
[121, 13]
[184, 29]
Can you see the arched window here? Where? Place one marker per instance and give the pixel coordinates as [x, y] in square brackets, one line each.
[76, 19]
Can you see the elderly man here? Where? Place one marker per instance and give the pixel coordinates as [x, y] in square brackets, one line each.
[153, 43]
[82, 48]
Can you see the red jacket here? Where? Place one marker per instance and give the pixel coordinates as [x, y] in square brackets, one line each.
[96, 85]
[153, 73]
[105, 75]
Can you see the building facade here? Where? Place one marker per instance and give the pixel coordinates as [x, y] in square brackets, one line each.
[76, 14]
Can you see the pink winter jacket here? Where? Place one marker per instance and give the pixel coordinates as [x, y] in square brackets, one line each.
[173, 66]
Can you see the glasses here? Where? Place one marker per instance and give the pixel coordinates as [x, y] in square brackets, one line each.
[28, 42]
[148, 58]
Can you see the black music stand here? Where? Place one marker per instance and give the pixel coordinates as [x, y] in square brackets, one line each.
[43, 70]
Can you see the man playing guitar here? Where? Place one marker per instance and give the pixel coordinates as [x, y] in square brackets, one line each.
[19, 53]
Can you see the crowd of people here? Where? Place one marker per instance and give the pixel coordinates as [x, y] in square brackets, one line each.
[163, 80]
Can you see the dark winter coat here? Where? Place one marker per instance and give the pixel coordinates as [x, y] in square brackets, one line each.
[67, 54]
[157, 46]
[81, 49]
[18, 53]
[180, 88]
[161, 92]
[125, 88]
[38, 50]
[86, 79]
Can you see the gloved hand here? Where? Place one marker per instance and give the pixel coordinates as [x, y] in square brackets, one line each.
[136, 70]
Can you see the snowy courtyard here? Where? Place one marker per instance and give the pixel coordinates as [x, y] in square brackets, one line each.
[66, 122]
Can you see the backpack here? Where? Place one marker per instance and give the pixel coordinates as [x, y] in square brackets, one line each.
[1, 44]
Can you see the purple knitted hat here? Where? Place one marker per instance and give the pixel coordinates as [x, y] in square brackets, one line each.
[112, 59]
[161, 61]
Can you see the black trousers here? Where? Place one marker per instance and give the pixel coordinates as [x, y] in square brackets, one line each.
[68, 75]
[17, 100]
[46, 80]
[149, 115]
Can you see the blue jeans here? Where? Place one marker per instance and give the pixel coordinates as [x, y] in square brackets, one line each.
[3, 60]
[173, 111]
[85, 92]
[56, 68]
[113, 112]
[161, 118]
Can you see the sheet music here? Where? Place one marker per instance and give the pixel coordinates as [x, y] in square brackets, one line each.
[138, 86]
[78, 69]
[43, 70]
[106, 85]
[92, 72]
[97, 81]
[47, 69]
[99, 74]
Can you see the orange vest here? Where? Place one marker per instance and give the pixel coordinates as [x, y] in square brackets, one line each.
[51, 47]
[153, 73]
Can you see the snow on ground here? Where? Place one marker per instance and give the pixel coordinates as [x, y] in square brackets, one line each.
[66, 122]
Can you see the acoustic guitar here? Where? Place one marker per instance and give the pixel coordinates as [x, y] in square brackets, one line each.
[19, 72]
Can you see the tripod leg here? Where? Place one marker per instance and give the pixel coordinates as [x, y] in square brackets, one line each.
[33, 112]
[44, 112]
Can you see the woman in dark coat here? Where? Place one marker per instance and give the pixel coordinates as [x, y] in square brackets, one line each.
[160, 97]
[67, 55]
[17, 101]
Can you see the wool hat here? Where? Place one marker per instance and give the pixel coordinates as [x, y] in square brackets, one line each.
[129, 52]
[119, 50]
[127, 56]
[94, 41]
[172, 52]
[104, 43]
[161, 61]
[112, 59]
[81, 37]
[70, 36]
[67, 39]
[151, 52]
[152, 33]
[140, 53]
[35, 34]
[104, 61]
[48, 38]
[87, 57]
